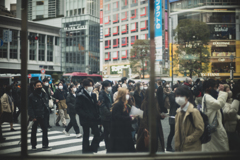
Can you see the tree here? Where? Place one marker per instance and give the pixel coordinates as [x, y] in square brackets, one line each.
[192, 54]
[139, 56]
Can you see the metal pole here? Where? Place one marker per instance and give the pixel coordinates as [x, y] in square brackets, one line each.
[24, 94]
[172, 51]
[152, 105]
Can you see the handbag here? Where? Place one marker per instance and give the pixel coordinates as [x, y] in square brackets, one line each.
[146, 138]
[50, 103]
[214, 124]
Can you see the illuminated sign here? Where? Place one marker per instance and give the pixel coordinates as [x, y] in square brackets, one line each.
[75, 27]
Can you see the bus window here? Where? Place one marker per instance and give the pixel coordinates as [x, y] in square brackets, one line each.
[78, 79]
[96, 79]
[67, 79]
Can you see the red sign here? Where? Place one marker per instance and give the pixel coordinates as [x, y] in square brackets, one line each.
[43, 71]
[101, 17]
[29, 76]
[166, 40]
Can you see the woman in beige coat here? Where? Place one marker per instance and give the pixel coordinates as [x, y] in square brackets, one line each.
[219, 139]
[7, 108]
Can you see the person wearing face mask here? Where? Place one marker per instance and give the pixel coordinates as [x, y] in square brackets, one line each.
[87, 107]
[211, 107]
[230, 113]
[7, 107]
[187, 136]
[71, 100]
[38, 111]
[96, 89]
[106, 97]
[121, 126]
[60, 96]
[166, 92]
[139, 94]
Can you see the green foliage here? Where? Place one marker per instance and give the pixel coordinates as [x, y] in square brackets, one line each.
[140, 53]
[192, 55]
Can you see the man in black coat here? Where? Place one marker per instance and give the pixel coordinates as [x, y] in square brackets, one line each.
[38, 111]
[88, 110]
[106, 97]
[160, 97]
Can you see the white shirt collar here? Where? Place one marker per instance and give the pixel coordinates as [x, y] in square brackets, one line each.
[185, 107]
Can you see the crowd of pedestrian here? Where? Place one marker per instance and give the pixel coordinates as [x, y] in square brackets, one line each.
[203, 115]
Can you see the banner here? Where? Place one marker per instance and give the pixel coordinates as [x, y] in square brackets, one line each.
[166, 40]
[101, 4]
[158, 28]
[166, 21]
[101, 17]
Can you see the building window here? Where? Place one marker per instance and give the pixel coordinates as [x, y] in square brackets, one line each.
[143, 2]
[115, 31]
[124, 4]
[79, 11]
[115, 55]
[40, 3]
[39, 16]
[116, 43]
[32, 54]
[124, 54]
[41, 55]
[56, 41]
[144, 25]
[134, 14]
[107, 44]
[83, 10]
[107, 56]
[143, 12]
[133, 39]
[115, 6]
[134, 3]
[66, 13]
[13, 53]
[75, 12]
[115, 18]
[124, 41]
[107, 8]
[107, 32]
[124, 29]
[134, 27]
[107, 20]
[71, 12]
[124, 16]
[143, 36]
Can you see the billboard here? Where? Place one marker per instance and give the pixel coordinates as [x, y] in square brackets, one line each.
[101, 4]
[158, 28]
[166, 21]
[101, 17]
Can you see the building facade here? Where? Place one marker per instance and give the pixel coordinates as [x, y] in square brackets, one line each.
[43, 53]
[80, 36]
[222, 18]
[123, 22]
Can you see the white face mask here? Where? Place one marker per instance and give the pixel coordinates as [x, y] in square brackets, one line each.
[141, 87]
[46, 84]
[60, 87]
[180, 100]
[109, 89]
[127, 97]
[145, 87]
[74, 89]
[89, 89]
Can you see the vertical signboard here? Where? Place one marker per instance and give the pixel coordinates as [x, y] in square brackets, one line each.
[101, 17]
[166, 21]
[101, 4]
[158, 29]
[166, 39]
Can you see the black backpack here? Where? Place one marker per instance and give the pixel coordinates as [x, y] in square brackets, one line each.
[206, 136]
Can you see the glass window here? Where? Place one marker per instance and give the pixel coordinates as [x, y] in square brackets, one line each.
[107, 20]
[50, 56]
[133, 39]
[115, 55]
[143, 2]
[115, 31]
[124, 29]
[143, 12]
[124, 54]
[222, 31]
[41, 55]
[124, 4]
[144, 25]
[107, 8]
[115, 6]
[134, 3]
[124, 41]
[134, 14]
[115, 18]
[134, 27]
[79, 11]
[107, 32]
[219, 17]
[40, 3]
[13, 53]
[124, 16]
[116, 43]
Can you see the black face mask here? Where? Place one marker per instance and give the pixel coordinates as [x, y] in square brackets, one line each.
[38, 90]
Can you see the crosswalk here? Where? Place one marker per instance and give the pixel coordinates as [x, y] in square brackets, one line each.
[60, 143]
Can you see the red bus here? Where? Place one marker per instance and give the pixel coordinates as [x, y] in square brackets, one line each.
[80, 76]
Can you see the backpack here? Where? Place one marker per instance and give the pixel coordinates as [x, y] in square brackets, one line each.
[206, 136]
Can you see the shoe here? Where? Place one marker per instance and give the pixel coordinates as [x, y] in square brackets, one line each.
[34, 148]
[46, 148]
[12, 129]
[57, 124]
[78, 135]
[66, 133]
[64, 126]
[49, 126]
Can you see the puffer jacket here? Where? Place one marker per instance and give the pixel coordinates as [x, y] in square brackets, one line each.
[70, 101]
[230, 111]
[38, 105]
[6, 107]
[105, 106]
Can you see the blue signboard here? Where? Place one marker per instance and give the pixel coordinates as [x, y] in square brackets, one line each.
[170, 1]
[166, 4]
[158, 28]
[1, 42]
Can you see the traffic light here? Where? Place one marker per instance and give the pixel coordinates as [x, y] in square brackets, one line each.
[32, 38]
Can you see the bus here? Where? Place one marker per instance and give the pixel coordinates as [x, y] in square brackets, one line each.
[80, 76]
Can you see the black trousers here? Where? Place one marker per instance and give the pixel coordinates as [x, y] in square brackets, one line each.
[73, 123]
[96, 139]
[106, 133]
[43, 123]
[170, 136]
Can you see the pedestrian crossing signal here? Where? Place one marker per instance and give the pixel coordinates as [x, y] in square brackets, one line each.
[32, 38]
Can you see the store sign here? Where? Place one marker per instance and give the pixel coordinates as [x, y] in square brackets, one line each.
[221, 59]
[209, 74]
[220, 28]
[119, 68]
[221, 44]
[75, 27]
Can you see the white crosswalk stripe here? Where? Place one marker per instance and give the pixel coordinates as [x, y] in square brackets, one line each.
[57, 140]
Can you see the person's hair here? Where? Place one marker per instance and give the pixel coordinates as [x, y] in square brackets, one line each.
[175, 86]
[90, 79]
[105, 84]
[183, 91]
[45, 80]
[159, 83]
[123, 79]
[188, 79]
[71, 86]
[137, 87]
[86, 82]
[121, 95]
[60, 83]
[35, 83]
[209, 83]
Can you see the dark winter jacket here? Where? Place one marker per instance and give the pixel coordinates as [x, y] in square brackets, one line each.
[38, 105]
[121, 128]
[60, 95]
[160, 99]
[173, 108]
[105, 106]
[87, 109]
[70, 101]
[16, 94]
[138, 98]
